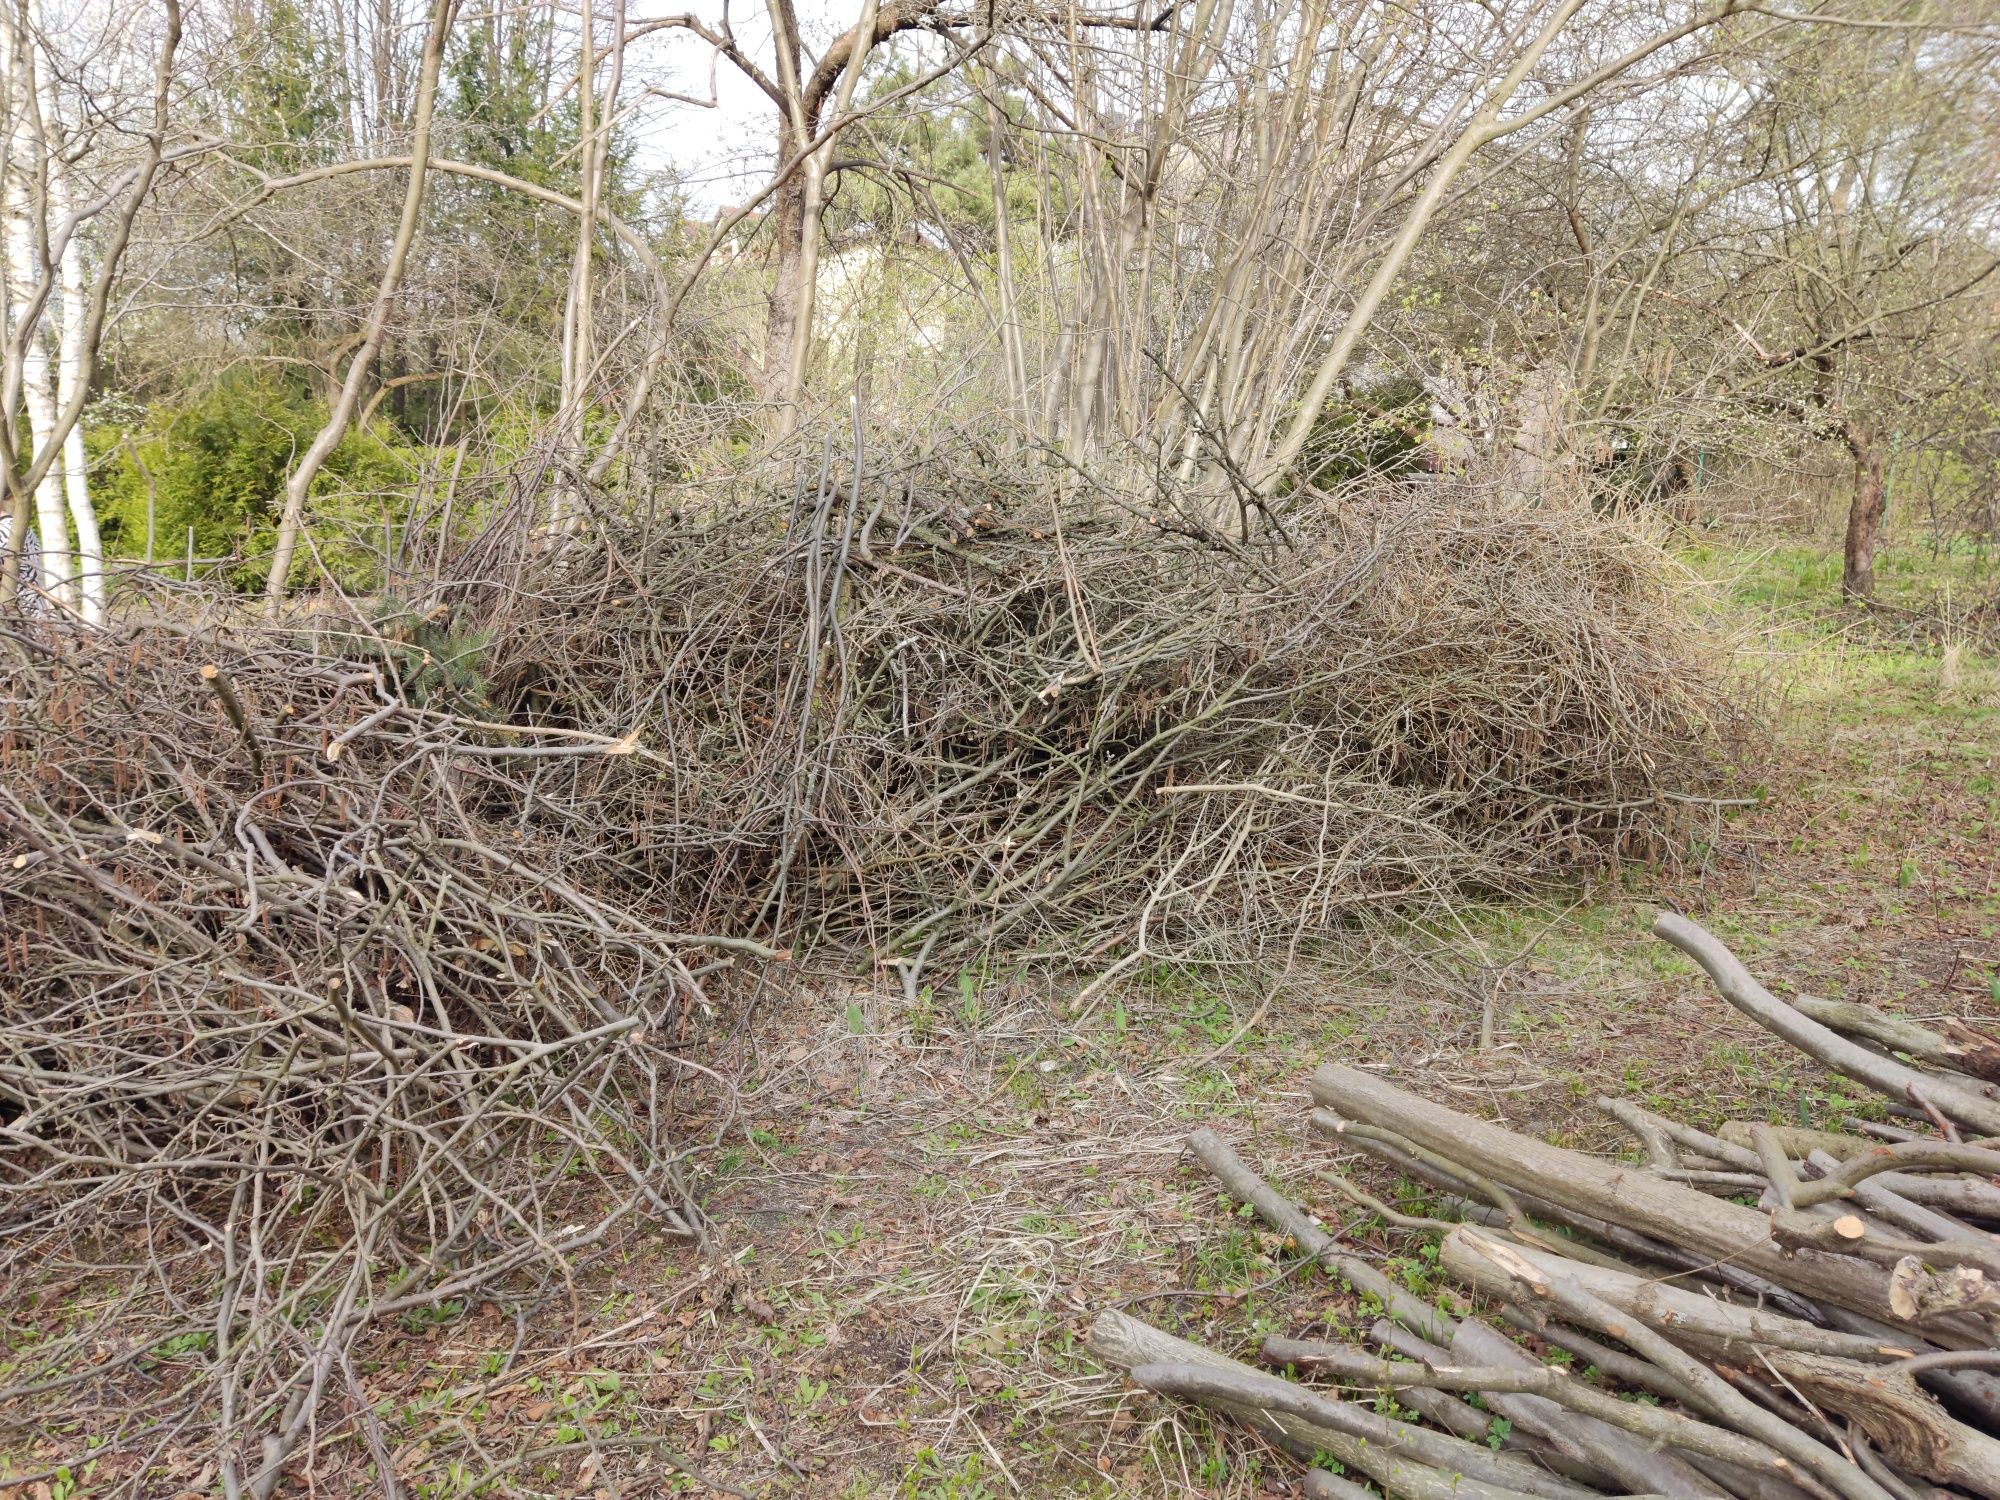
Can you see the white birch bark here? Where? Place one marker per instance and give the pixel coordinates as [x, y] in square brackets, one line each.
[70, 380]
[25, 207]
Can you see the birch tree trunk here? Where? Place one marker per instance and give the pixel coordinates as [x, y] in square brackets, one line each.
[38, 395]
[71, 384]
[25, 198]
[28, 300]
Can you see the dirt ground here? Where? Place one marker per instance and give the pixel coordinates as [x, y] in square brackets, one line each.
[920, 1207]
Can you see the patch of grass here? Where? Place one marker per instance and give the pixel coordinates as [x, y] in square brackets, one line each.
[931, 1478]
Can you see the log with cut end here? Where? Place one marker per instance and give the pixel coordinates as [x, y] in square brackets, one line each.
[1619, 1192]
[1852, 1233]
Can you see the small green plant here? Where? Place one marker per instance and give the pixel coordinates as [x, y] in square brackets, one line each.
[180, 1344]
[807, 1394]
[930, 1478]
[923, 1016]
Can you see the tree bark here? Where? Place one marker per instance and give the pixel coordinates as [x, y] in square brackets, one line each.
[26, 208]
[1465, 1245]
[21, 479]
[1630, 1194]
[299, 484]
[1285, 1216]
[71, 383]
[1864, 518]
[1127, 1344]
[1910, 1428]
[1973, 1053]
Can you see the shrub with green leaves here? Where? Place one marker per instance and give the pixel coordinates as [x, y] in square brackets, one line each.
[216, 461]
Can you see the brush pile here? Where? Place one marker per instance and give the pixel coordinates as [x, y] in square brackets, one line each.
[350, 965]
[1840, 1338]
[916, 705]
[305, 1005]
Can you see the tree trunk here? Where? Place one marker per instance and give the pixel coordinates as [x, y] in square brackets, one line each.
[115, 235]
[801, 202]
[70, 381]
[788, 290]
[27, 224]
[1864, 518]
[1012, 351]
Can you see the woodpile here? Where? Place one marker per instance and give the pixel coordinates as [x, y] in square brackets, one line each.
[1762, 1311]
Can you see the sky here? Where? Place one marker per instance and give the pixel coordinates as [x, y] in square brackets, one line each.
[724, 153]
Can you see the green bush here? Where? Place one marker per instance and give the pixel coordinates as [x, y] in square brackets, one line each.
[216, 460]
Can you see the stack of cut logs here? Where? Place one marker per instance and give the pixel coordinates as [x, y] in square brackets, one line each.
[1839, 1339]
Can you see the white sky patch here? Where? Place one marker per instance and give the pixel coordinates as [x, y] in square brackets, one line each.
[721, 154]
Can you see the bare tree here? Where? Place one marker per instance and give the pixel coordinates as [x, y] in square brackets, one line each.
[46, 257]
[299, 484]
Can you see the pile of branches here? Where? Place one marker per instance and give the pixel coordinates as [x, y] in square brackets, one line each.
[938, 702]
[1840, 1338]
[350, 965]
[309, 1021]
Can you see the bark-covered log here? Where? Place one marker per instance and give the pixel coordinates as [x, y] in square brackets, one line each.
[1964, 1196]
[1598, 1429]
[1578, 1305]
[1898, 1160]
[1579, 1419]
[1324, 1484]
[1746, 1467]
[1638, 1375]
[1285, 1216]
[1377, 1438]
[1717, 1326]
[1964, 1050]
[1904, 1422]
[1797, 1139]
[1849, 1232]
[1886, 1202]
[1629, 1194]
[1128, 1344]
[1974, 1394]
[1696, 1268]
[1458, 1416]
[1844, 1055]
